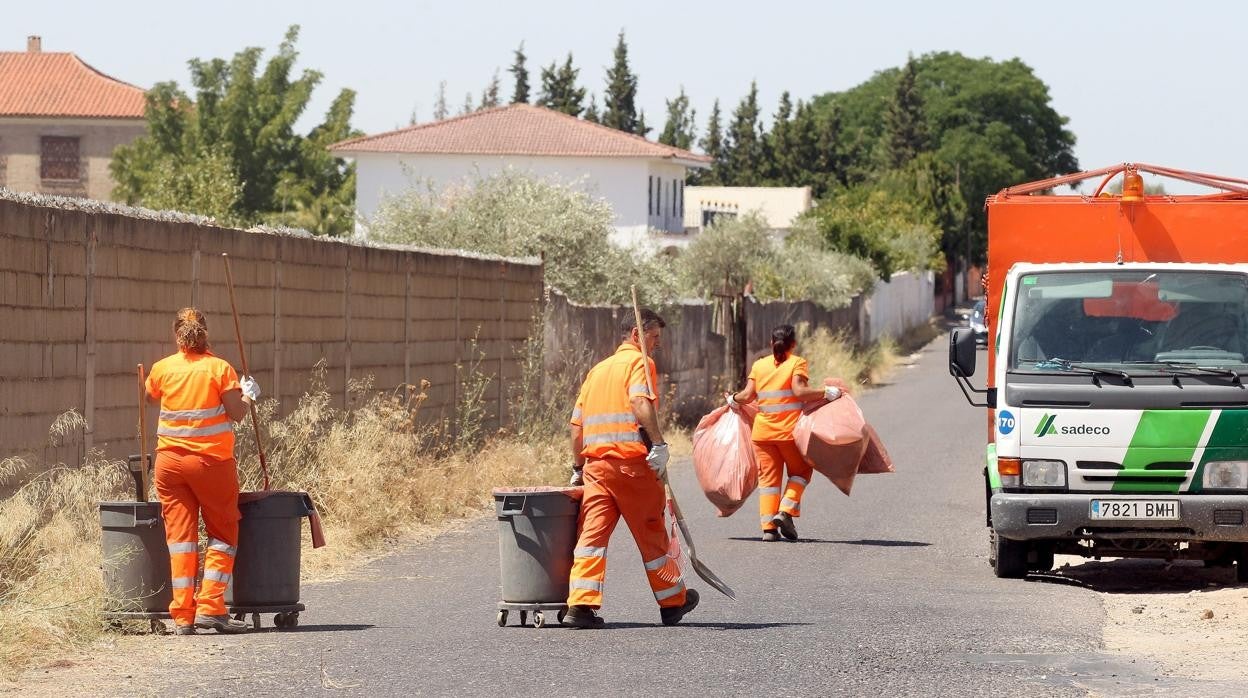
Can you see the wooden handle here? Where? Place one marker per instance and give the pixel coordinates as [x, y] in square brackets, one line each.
[641, 341]
[242, 356]
[143, 458]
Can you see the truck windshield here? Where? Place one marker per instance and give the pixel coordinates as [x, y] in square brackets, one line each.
[1133, 320]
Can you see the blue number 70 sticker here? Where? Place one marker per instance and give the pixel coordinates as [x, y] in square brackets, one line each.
[1005, 422]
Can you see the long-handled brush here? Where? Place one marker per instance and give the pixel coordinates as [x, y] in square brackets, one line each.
[702, 570]
[242, 355]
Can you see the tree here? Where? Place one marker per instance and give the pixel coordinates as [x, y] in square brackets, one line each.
[642, 129]
[559, 90]
[440, 110]
[780, 147]
[232, 152]
[591, 112]
[467, 107]
[619, 109]
[905, 127]
[489, 96]
[744, 144]
[521, 76]
[680, 126]
[712, 145]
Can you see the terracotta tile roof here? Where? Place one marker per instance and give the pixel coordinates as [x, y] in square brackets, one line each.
[35, 83]
[517, 129]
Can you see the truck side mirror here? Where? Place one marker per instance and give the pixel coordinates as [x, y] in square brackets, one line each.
[962, 353]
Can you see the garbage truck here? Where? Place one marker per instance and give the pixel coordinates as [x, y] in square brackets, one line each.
[1117, 354]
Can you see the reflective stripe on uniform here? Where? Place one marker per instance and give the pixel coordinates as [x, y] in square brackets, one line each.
[769, 490]
[766, 519]
[771, 394]
[613, 437]
[590, 584]
[222, 546]
[182, 582]
[617, 417]
[221, 428]
[669, 593]
[799, 480]
[786, 502]
[192, 547]
[576, 413]
[657, 563]
[590, 552]
[216, 576]
[207, 413]
[783, 407]
[638, 390]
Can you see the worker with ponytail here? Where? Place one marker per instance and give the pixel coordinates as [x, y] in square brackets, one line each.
[199, 396]
[780, 381]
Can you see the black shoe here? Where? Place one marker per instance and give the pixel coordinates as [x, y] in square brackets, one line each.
[785, 522]
[223, 624]
[672, 616]
[770, 536]
[583, 617]
[184, 629]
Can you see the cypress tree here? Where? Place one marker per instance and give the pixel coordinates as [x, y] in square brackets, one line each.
[679, 128]
[521, 75]
[559, 90]
[642, 129]
[489, 96]
[744, 144]
[619, 108]
[712, 145]
[440, 110]
[591, 112]
[781, 169]
[905, 128]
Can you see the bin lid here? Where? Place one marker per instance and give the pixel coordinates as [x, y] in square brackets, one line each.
[572, 492]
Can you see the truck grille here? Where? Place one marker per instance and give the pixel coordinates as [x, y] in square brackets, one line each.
[1041, 516]
[1228, 517]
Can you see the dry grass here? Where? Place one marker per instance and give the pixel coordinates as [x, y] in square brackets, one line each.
[835, 355]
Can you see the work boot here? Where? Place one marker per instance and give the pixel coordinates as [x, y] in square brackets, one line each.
[222, 624]
[582, 617]
[785, 521]
[672, 616]
[188, 629]
[770, 536]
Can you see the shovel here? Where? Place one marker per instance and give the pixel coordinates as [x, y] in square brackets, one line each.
[702, 570]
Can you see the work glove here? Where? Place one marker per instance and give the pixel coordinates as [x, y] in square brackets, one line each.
[831, 393]
[657, 459]
[732, 401]
[578, 477]
[250, 388]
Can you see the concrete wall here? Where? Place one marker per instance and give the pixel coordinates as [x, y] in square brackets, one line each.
[897, 305]
[779, 206]
[85, 295]
[621, 182]
[20, 153]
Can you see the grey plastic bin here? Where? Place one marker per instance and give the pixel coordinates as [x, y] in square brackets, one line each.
[536, 537]
[136, 557]
[266, 567]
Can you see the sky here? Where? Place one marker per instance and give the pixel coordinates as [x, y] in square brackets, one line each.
[1141, 81]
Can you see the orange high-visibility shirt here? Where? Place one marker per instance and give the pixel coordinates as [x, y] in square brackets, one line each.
[778, 408]
[192, 416]
[604, 408]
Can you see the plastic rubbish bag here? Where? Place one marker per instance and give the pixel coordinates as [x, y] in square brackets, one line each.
[723, 457]
[837, 441]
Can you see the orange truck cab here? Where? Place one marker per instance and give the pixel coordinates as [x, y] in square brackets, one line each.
[1117, 339]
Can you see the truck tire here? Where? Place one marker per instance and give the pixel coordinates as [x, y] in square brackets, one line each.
[1043, 556]
[1008, 557]
[1241, 564]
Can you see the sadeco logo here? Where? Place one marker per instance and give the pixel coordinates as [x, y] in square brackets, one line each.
[1046, 427]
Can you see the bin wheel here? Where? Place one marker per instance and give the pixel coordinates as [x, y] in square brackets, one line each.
[292, 619]
[158, 627]
[539, 619]
[255, 621]
[239, 616]
[524, 618]
[279, 620]
[559, 616]
[502, 619]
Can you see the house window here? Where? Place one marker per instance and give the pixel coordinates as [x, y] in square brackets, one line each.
[58, 158]
[650, 195]
[673, 203]
[658, 196]
[680, 209]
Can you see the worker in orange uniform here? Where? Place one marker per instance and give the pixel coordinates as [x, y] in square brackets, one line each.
[620, 452]
[199, 396]
[781, 383]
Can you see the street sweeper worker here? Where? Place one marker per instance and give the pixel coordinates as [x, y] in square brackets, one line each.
[780, 382]
[199, 396]
[620, 450]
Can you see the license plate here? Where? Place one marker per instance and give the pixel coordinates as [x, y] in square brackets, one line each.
[1154, 509]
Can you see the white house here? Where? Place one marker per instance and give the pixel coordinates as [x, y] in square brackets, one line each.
[779, 206]
[643, 181]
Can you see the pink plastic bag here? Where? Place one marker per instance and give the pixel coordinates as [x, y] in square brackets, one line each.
[837, 441]
[723, 457]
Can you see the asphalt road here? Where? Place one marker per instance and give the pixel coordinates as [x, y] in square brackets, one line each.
[888, 593]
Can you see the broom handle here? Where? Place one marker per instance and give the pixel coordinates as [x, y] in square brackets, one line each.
[143, 477]
[242, 353]
[641, 340]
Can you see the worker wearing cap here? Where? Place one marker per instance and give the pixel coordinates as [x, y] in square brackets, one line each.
[780, 382]
[619, 450]
[199, 395]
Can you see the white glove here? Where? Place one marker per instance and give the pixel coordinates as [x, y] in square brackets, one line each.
[831, 393]
[732, 402]
[657, 459]
[250, 388]
[578, 478]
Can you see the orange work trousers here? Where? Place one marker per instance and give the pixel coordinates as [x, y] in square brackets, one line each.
[190, 484]
[628, 488]
[773, 458]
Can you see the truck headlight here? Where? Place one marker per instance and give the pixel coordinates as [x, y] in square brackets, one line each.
[1044, 473]
[1225, 475]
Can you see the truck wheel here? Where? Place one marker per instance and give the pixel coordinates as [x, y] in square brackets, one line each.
[1009, 557]
[1241, 564]
[1044, 558]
